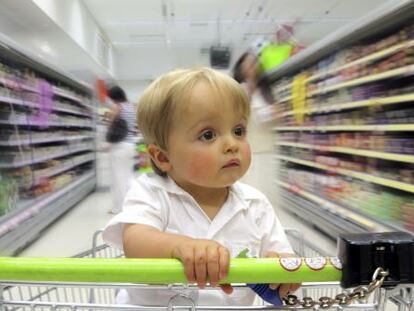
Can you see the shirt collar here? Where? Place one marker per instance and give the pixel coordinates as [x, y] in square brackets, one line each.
[242, 192]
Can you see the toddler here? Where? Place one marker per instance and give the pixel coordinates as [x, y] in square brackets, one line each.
[193, 208]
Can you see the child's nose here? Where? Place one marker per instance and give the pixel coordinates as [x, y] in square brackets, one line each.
[231, 144]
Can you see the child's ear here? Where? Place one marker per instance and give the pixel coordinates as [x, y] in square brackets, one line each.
[159, 157]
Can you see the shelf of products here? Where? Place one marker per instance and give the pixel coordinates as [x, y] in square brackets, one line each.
[47, 143]
[404, 186]
[344, 121]
[358, 152]
[335, 209]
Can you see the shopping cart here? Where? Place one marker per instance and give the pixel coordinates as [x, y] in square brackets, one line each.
[21, 296]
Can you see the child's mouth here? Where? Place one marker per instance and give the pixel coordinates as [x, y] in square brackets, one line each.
[232, 163]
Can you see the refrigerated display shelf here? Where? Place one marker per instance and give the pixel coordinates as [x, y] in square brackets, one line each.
[55, 124]
[359, 152]
[71, 112]
[61, 169]
[17, 85]
[30, 104]
[407, 70]
[23, 224]
[34, 141]
[19, 102]
[350, 128]
[56, 90]
[64, 93]
[39, 160]
[73, 175]
[336, 209]
[362, 176]
[380, 101]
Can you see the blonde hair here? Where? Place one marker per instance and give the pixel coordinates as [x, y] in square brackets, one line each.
[161, 99]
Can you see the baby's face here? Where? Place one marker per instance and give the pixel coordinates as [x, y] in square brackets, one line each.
[207, 146]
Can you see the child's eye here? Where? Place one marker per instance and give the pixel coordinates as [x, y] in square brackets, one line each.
[207, 135]
[239, 131]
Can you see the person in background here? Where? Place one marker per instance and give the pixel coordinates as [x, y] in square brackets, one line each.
[193, 208]
[121, 154]
[246, 71]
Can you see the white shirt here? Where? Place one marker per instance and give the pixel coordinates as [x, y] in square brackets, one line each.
[246, 220]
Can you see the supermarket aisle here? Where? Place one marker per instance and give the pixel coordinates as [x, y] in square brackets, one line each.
[72, 233]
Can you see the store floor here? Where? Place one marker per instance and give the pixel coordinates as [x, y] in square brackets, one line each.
[73, 232]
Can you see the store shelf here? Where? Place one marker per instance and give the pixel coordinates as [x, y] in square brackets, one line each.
[29, 104]
[63, 93]
[369, 58]
[282, 88]
[42, 124]
[407, 70]
[71, 112]
[61, 169]
[328, 222]
[285, 99]
[335, 208]
[34, 141]
[358, 152]
[15, 101]
[366, 221]
[372, 102]
[349, 128]
[362, 176]
[17, 85]
[388, 16]
[324, 63]
[43, 159]
[25, 223]
[22, 72]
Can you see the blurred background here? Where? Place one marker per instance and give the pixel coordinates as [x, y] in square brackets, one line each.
[331, 87]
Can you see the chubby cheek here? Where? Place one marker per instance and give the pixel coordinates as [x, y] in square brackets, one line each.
[246, 155]
[201, 165]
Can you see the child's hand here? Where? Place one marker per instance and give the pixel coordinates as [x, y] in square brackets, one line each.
[285, 288]
[204, 260]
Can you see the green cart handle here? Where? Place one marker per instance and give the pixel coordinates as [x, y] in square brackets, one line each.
[166, 271]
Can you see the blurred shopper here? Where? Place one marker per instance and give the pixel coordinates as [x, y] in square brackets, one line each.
[246, 72]
[123, 133]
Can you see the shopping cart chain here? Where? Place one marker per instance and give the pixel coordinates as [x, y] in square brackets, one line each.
[343, 299]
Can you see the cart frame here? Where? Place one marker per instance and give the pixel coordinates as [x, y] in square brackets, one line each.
[22, 296]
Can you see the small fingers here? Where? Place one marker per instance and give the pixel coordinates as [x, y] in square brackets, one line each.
[224, 262]
[294, 287]
[284, 289]
[200, 266]
[287, 289]
[213, 267]
[187, 258]
[227, 288]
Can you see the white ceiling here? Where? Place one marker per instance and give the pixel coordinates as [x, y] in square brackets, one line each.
[151, 37]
